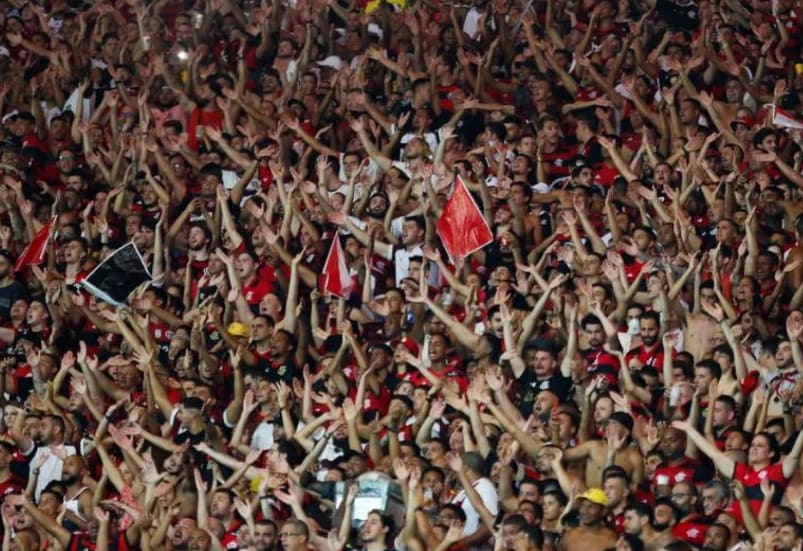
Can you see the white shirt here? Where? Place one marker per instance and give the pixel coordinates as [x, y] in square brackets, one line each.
[471, 24]
[489, 497]
[401, 261]
[262, 438]
[51, 469]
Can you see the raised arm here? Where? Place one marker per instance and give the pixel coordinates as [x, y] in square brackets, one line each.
[722, 462]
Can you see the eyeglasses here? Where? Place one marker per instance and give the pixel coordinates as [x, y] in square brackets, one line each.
[66, 158]
[681, 495]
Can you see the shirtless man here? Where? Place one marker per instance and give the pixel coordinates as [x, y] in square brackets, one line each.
[616, 449]
[591, 533]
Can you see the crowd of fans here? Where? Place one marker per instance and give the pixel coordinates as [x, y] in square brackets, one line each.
[619, 368]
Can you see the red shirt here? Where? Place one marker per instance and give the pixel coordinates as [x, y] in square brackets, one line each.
[12, 485]
[751, 480]
[453, 373]
[257, 289]
[198, 118]
[692, 529]
[230, 537]
[160, 331]
[690, 470]
[600, 362]
[653, 356]
[558, 162]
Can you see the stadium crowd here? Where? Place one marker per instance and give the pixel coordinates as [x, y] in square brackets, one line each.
[618, 367]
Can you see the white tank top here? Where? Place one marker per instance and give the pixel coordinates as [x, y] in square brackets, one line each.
[72, 504]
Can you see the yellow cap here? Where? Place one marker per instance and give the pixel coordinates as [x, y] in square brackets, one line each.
[238, 329]
[595, 495]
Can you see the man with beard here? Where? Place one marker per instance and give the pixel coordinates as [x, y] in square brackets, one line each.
[180, 537]
[722, 415]
[651, 351]
[717, 537]
[548, 463]
[788, 537]
[200, 540]
[198, 241]
[638, 521]
[706, 372]
[617, 493]
[46, 463]
[222, 508]
[539, 372]
[433, 481]
[78, 497]
[692, 526]
[598, 360]
[11, 290]
[284, 357]
[554, 154]
[676, 467]
[592, 532]
[266, 535]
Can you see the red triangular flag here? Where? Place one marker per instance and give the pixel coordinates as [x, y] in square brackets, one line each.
[336, 278]
[34, 252]
[462, 227]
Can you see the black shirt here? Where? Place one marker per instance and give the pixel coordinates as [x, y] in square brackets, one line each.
[530, 386]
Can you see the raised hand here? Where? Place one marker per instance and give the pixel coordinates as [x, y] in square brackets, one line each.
[455, 461]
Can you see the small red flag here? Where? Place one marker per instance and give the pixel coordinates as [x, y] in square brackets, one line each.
[336, 278]
[462, 227]
[34, 252]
